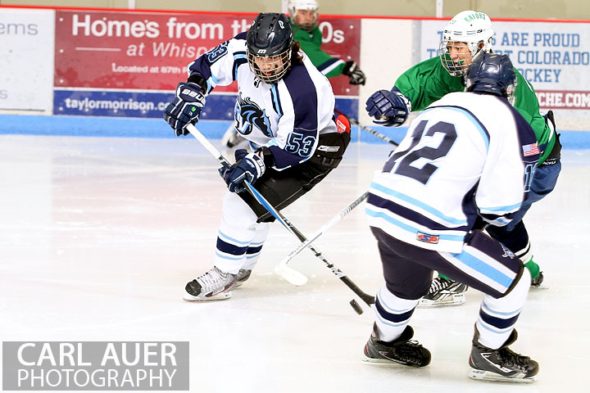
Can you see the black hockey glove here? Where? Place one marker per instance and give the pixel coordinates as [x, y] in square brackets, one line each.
[247, 167]
[185, 108]
[352, 70]
[388, 108]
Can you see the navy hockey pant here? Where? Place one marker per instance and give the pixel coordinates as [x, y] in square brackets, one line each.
[281, 188]
[485, 264]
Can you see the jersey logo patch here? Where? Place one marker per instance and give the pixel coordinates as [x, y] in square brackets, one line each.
[426, 238]
[217, 53]
[248, 115]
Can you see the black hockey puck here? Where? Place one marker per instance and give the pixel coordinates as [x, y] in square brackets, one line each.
[356, 307]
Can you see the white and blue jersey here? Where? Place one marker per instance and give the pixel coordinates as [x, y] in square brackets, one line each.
[465, 156]
[287, 116]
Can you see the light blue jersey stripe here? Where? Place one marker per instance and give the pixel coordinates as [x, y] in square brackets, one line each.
[409, 228]
[418, 204]
[274, 93]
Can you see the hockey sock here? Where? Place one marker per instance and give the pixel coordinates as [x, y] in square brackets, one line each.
[443, 276]
[254, 248]
[392, 314]
[497, 317]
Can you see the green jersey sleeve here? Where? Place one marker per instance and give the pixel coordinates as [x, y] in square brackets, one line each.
[311, 43]
[427, 82]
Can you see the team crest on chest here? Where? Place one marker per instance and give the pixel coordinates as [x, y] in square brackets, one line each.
[248, 115]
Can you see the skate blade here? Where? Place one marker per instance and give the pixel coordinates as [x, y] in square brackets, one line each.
[455, 300]
[382, 362]
[539, 287]
[220, 296]
[489, 376]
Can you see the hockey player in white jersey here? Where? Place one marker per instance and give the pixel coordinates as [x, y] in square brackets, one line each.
[466, 160]
[285, 109]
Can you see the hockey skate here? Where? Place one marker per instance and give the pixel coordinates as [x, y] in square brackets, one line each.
[538, 281]
[213, 285]
[444, 292]
[402, 350]
[243, 276]
[501, 365]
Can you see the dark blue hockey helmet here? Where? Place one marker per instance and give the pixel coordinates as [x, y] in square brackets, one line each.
[269, 43]
[491, 73]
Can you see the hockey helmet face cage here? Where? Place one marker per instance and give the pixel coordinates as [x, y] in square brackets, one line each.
[269, 43]
[304, 13]
[491, 73]
[463, 37]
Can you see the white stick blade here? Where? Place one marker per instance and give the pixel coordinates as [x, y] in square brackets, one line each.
[291, 275]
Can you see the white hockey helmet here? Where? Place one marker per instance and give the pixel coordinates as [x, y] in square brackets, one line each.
[295, 5]
[309, 5]
[474, 28]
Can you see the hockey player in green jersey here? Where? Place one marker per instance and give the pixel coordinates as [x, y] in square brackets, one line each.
[304, 20]
[466, 35]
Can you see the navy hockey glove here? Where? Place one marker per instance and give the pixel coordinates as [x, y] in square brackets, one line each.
[247, 167]
[238, 154]
[388, 108]
[186, 107]
[352, 70]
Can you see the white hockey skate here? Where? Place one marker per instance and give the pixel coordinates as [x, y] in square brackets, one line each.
[213, 285]
[243, 276]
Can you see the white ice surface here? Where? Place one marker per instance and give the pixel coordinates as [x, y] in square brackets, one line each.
[98, 237]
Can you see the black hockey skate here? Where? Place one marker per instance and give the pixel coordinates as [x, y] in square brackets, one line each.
[536, 282]
[501, 364]
[399, 351]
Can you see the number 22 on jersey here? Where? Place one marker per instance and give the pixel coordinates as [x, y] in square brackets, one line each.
[404, 162]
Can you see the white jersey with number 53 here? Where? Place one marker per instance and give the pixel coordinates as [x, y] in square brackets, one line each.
[287, 116]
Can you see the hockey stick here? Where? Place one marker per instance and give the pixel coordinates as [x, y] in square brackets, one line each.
[370, 130]
[368, 299]
[295, 277]
[374, 132]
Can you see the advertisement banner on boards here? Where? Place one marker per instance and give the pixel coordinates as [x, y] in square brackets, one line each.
[554, 57]
[551, 56]
[144, 53]
[26, 55]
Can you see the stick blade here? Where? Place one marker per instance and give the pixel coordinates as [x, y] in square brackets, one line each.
[291, 275]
